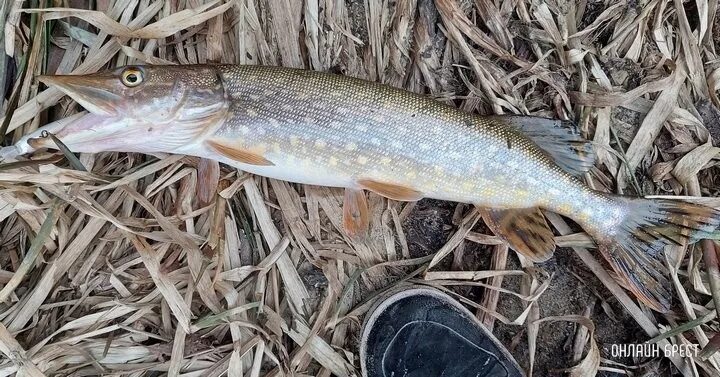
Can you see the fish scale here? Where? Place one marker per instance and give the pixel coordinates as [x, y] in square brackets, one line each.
[331, 130]
[341, 129]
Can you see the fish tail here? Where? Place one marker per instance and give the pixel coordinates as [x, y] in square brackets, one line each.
[634, 244]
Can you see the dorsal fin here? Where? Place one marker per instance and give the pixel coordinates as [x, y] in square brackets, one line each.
[560, 139]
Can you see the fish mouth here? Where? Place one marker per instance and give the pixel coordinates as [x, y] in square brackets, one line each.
[93, 92]
[83, 133]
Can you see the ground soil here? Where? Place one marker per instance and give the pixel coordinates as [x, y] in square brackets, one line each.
[572, 290]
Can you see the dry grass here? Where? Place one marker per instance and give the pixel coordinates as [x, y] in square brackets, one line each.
[129, 267]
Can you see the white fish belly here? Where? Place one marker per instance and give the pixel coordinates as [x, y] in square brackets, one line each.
[284, 168]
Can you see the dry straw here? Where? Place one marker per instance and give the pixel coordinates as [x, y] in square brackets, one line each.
[178, 266]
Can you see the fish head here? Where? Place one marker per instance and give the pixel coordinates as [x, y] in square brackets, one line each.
[153, 93]
[138, 107]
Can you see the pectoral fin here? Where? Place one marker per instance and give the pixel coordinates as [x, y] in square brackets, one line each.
[237, 153]
[391, 191]
[524, 230]
[355, 213]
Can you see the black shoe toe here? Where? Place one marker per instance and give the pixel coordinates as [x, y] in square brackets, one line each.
[423, 332]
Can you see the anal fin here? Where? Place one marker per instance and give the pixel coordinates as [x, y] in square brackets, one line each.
[355, 213]
[238, 154]
[391, 191]
[524, 230]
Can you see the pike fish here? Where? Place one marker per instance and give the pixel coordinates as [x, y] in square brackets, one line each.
[331, 130]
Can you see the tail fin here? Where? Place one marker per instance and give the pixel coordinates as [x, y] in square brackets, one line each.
[634, 246]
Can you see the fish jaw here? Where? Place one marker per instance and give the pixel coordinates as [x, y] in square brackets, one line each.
[94, 133]
[83, 132]
[93, 92]
[23, 145]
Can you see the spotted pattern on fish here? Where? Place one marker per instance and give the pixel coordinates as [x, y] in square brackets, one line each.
[342, 129]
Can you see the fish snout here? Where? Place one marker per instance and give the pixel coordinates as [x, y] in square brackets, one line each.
[96, 93]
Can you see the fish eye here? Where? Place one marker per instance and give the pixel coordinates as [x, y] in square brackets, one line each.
[131, 77]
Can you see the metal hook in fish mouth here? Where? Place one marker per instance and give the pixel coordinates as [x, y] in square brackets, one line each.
[37, 142]
[41, 141]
